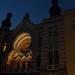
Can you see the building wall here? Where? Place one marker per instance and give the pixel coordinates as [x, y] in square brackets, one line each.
[61, 31]
[56, 35]
[41, 38]
[69, 19]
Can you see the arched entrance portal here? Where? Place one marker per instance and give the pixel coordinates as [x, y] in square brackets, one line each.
[20, 57]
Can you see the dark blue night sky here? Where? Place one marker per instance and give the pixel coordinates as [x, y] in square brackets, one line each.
[38, 9]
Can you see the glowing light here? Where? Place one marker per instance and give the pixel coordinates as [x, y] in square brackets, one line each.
[20, 45]
[4, 48]
[24, 39]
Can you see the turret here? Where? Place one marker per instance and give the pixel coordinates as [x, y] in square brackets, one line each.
[55, 9]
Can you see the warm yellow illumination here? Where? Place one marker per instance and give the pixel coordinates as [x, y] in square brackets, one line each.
[4, 48]
[21, 53]
[23, 38]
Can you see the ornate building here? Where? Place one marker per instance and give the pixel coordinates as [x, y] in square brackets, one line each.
[49, 43]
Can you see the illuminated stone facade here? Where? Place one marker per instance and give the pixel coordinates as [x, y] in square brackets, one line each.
[51, 43]
[47, 45]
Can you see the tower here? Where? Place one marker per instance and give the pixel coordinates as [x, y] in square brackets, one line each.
[5, 28]
[55, 9]
[4, 37]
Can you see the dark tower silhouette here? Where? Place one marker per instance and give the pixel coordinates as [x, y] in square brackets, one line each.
[55, 9]
[7, 22]
[5, 29]
[27, 17]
